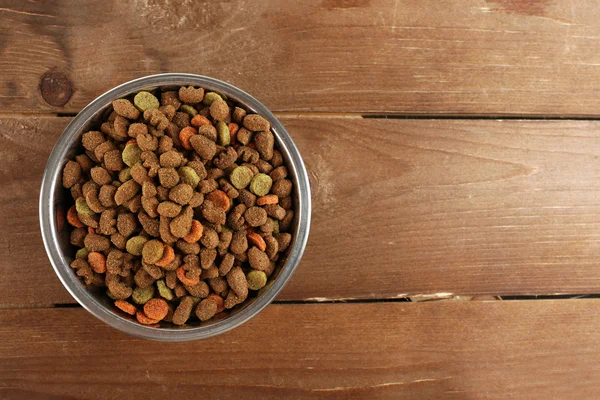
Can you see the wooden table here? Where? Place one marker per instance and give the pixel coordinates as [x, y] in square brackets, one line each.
[453, 150]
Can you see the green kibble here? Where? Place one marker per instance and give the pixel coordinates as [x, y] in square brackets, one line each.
[210, 97]
[131, 154]
[82, 253]
[164, 290]
[189, 176]
[256, 280]
[135, 245]
[141, 296]
[241, 177]
[261, 184]
[223, 135]
[124, 175]
[186, 108]
[145, 100]
[82, 207]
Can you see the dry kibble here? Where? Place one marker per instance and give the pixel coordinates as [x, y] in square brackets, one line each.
[182, 204]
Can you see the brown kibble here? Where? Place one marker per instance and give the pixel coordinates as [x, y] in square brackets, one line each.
[151, 225]
[284, 240]
[102, 148]
[209, 132]
[171, 159]
[168, 110]
[187, 247]
[237, 282]
[205, 147]
[143, 279]
[118, 240]
[181, 225]
[279, 173]
[181, 194]
[100, 176]
[247, 198]
[165, 144]
[248, 155]
[183, 311]
[125, 108]
[286, 222]
[156, 118]
[91, 139]
[84, 162]
[226, 158]
[228, 188]
[210, 238]
[206, 309]
[168, 177]
[272, 247]
[113, 160]
[170, 98]
[255, 122]
[95, 242]
[148, 189]
[226, 264]
[108, 222]
[255, 216]
[165, 230]
[264, 144]
[239, 242]
[200, 289]
[134, 205]
[207, 258]
[162, 193]
[137, 129]
[126, 224]
[275, 211]
[213, 213]
[258, 259]
[282, 188]
[208, 185]
[244, 136]
[196, 200]
[181, 120]
[238, 115]
[78, 236]
[147, 142]
[191, 95]
[126, 192]
[219, 110]
[150, 205]
[224, 241]
[236, 219]
[198, 168]
[169, 209]
[264, 166]
[286, 203]
[71, 174]
[140, 174]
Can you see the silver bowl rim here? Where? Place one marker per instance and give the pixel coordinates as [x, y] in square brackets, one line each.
[51, 179]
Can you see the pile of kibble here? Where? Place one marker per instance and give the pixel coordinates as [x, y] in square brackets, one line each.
[182, 205]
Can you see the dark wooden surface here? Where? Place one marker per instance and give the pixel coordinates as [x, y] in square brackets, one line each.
[449, 350]
[475, 57]
[480, 206]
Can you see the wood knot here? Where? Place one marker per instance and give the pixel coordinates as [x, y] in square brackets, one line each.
[56, 88]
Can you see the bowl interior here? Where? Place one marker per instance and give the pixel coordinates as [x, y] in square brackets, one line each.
[55, 200]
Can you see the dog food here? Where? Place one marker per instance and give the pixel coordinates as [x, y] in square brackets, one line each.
[181, 205]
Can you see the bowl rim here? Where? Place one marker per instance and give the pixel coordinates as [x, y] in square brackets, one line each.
[47, 208]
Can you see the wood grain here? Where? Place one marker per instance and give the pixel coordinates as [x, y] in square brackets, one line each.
[450, 350]
[471, 57]
[401, 207]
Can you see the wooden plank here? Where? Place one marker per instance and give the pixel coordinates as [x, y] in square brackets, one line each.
[401, 207]
[492, 57]
[450, 350]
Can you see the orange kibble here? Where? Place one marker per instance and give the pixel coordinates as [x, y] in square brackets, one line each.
[125, 307]
[156, 309]
[167, 258]
[200, 120]
[97, 261]
[233, 129]
[184, 279]
[220, 199]
[257, 240]
[184, 136]
[219, 300]
[91, 230]
[132, 141]
[143, 318]
[195, 233]
[73, 218]
[268, 199]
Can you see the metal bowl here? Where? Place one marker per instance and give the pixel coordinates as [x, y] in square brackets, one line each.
[54, 197]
